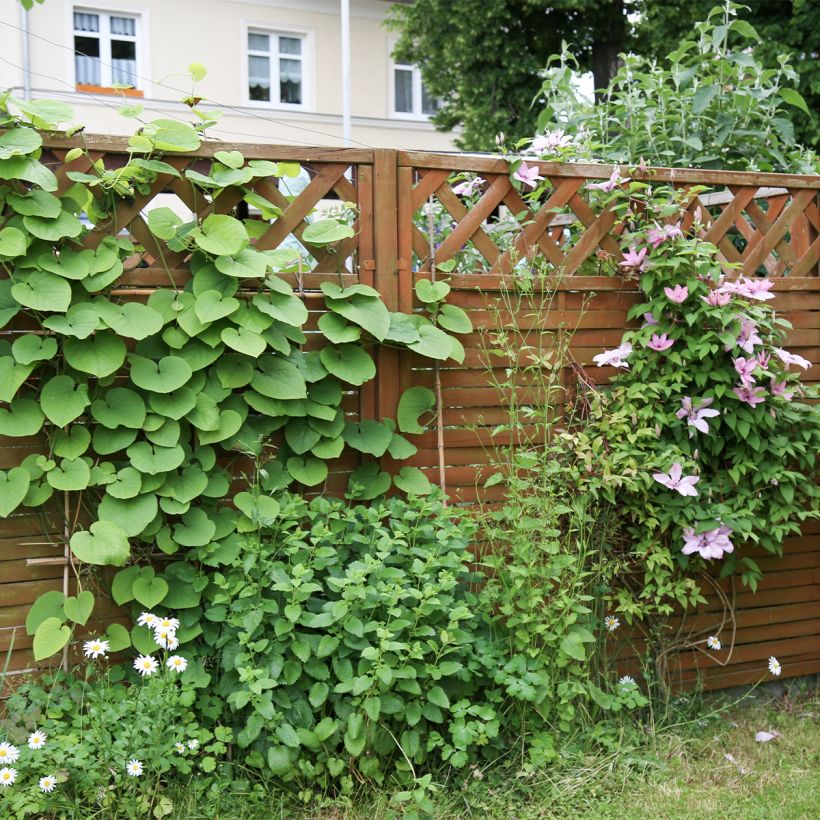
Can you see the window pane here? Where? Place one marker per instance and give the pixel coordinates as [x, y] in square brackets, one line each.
[259, 78]
[290, 45]
[86, 60]
[124, 62]
[124, 25]
[258, 42]
[290, 81]
[86, 22]
[403, 90]
[429, 105]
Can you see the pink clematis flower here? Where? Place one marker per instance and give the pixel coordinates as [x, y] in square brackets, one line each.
[791, 358]
[611, 184]
[660, 343]
[469, 186]
[677, 294]
[696, 415]
[527, 175]
[757, 289]
[763, 359]
[675, 480]
[649, 319]
[549, 143]
[748, 337]
[658, 235]
[709, 545]
[717, 298]
[615, 358]
[750, 395]
[779, 389]
[745, 369]
[635, 260]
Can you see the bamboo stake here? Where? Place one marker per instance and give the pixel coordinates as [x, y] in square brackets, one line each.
[436, 372]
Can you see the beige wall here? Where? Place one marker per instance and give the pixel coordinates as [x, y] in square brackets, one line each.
[176, 33]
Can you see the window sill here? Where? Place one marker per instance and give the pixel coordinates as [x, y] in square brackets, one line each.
[102, 89]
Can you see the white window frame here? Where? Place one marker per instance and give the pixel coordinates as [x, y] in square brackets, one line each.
[105, 12]
[416, 113]
[307, 59]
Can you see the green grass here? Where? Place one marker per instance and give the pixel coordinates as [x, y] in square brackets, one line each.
[698, 769]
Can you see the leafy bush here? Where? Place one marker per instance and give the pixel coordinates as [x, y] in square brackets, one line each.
[348, 642]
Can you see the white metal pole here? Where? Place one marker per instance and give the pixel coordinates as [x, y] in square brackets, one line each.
[346, 70]
[26, 55]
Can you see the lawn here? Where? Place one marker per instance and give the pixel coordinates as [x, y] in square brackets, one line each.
[704, 767]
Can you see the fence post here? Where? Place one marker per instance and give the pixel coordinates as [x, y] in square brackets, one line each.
[385, 279]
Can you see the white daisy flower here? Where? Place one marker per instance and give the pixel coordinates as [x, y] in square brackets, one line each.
[134, 768]
[146, 665]
[96, 648]
[47, 784]
[193, 743]
[611, 623]
[37, 739]
[713, 642]
[774, 666]
[166, 638]
[148, 619]
[167, 623]
[627, 682]
[180, 747]
[177, 663]
[8, 753]
[7, 776]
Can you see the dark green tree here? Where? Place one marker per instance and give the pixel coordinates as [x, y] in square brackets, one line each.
[785, 27]
[483, 60]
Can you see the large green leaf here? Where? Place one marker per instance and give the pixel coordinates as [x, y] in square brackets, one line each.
[105, 544]
[28, 169]
[100, 355]
[35, 203]
[414, 402]
[244, 341]
[63, 400]
[349, 363]
[221, 235]
[79, 608]
[22, 418]
[286, 308]
[433, 343]
[196, 529]
[367, 481]
[119, 407]
[149, 591]
[12, 242]
[19, 141]
[80, 321]
[69, 264]
[163, 223]
[454, 319]
[33, 348]
[369, 312]
[413, 481]
[48, 605]
[430, 292]
[230, 421]
[168, 374]
[72, 474]
[9, 307]
[12, 376]
[40, 290]
[247, 264]
[127, 484]
[368, 436]
[133, 320]
[13, 488]
[70, 443]
[336, 329]
[51, 636]
[153, 459]
[279, 379]
[64, 225]
[211, 307]
[307, 470]
[132, 515]
[325, 232]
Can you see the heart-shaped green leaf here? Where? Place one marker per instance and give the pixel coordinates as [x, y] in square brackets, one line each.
[127, 485]
[307, 470]
[51, 636]
[149, 591]
[229, 423]
[221, 235]
[279, 380]
[429, 292]
[233, 159]
[414, 402]
[12, 376]
[19, 141]
[285, 307]
[107, 441]
[368, 436]
[23, 418]
[326, 231]
[196, 529]
[119, 407]
[100, 355]
[247, 264]
[71, 474]
[153, 459]
[35, 203]
[367, 481]
[244, 341]
[454, 319]
[69, 264]
[369, 312]
[63, 400]
[118, 637]
[211, 307]
[79, 608]
[132, 515]
[40, 290]
[133, 320]
[122, 582]
[168, 374]
[337, 329]
[70, 443]
[349, 363]
[12, 242]
[433, 343]
[163, 223]
[413, 481]
[80, 321]
[106, 544]
[173, 405]
[8, 304]
[63, 225]
[262, 510]
[32, 348]
[47, 605]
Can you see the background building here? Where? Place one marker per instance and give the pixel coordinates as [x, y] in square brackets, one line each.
[274, 67]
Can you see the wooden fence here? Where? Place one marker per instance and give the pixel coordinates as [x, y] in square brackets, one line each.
[761, 223]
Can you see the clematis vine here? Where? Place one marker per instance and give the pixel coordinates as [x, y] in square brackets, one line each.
[549, 143]
[748, 337]
[716, 298]
[696, 415]
[527, 175]
[745, 369]
[756, 289]
[750, 395]
[469, 186]
[779, 389]
[611, 184]
[660, 343]
[658, 235]
[791, 358]
[709, 545]
[678, 294]
[615, 358]
[635, 260]
[675, 480]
